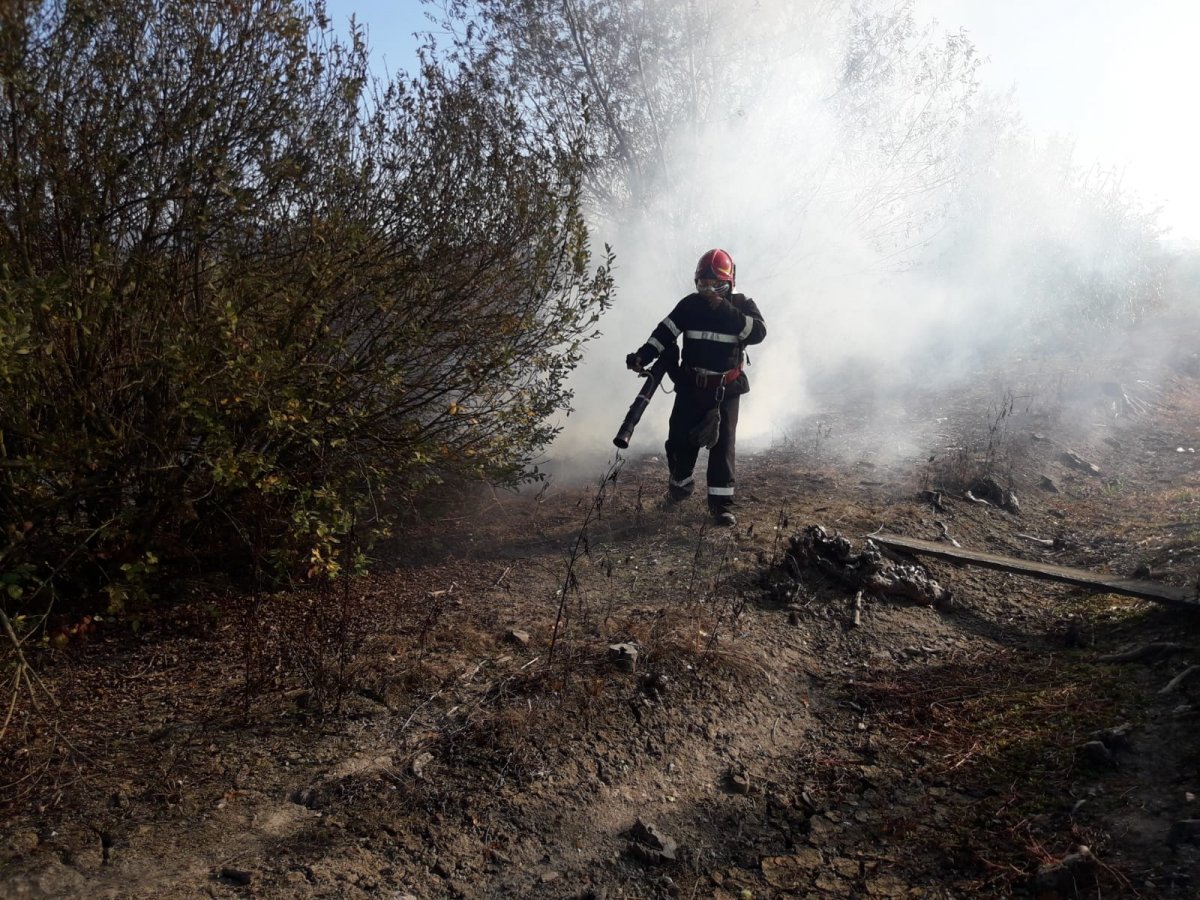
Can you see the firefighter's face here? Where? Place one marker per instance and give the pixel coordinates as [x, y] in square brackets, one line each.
[712, 289]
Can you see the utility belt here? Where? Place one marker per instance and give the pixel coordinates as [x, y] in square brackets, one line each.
[703, 378]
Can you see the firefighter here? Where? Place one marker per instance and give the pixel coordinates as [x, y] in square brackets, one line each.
[716, 325]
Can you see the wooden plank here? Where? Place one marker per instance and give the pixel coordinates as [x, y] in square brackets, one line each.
[1095, 581]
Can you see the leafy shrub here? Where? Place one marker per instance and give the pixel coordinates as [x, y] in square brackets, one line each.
[247, 294]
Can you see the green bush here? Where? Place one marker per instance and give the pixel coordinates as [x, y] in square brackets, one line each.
[247, 294]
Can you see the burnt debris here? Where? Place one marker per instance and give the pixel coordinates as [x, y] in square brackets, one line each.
[867, 570]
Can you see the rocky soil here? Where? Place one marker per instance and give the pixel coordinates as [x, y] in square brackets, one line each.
[575, 693]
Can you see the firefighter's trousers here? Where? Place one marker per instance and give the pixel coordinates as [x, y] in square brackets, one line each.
[691, 406]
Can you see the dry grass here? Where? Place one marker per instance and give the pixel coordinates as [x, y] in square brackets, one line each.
[995, 712]
[1002, 727]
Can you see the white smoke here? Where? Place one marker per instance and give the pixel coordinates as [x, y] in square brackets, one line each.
[802, 205]
[900, 229]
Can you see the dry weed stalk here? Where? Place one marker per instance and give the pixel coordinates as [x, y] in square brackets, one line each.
[782, 521]
[987, 453]
[581, 547]
[712, 607]
[315, 638]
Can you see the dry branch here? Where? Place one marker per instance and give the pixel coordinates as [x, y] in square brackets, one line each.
[26, 677]
[856, 620]
[21, 676]
[1157, 650]
[1174, 684]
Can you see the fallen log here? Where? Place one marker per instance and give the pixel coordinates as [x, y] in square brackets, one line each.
[1095, 581]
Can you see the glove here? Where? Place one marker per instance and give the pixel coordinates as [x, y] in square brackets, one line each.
[723, 306]
[633, 362]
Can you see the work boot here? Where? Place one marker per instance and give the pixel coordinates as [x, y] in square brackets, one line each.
[724, 518]
[676, 494]
[671, 500]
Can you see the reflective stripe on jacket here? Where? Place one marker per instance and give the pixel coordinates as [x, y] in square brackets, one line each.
[712, 338]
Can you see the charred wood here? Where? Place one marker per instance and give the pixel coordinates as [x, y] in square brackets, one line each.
[834, 556]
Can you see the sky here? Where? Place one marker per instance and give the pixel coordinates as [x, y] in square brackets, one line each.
[1116, 75]
[389, 24]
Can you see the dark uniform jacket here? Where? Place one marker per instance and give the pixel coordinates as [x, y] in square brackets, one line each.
[713, 339]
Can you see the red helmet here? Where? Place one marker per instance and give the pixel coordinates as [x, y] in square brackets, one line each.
[716, 266]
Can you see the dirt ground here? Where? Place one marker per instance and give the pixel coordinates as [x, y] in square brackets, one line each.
[428, 732]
